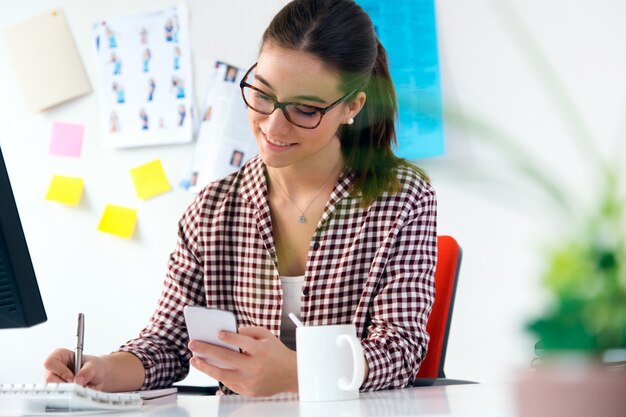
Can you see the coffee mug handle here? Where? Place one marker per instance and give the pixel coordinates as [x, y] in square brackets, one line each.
[359, 365]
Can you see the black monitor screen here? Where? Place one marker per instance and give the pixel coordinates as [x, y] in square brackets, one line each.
[20, 300]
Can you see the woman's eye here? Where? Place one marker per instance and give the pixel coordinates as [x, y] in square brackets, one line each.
[260, 96]
[305, 111]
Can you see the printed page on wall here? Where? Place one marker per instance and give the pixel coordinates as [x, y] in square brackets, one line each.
[225, 141]
[144, 78]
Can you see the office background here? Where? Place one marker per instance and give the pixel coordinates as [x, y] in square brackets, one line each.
[488, 69]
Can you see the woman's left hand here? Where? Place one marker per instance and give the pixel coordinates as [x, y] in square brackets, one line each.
[264, 367]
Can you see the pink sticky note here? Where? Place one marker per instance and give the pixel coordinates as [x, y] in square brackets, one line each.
[67, 139]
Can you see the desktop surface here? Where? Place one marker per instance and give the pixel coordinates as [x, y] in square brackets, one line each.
[484, 400]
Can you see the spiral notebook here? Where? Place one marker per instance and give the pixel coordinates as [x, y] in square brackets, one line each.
[34, 399]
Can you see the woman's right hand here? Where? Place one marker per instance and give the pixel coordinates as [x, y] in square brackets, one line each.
[59, 367]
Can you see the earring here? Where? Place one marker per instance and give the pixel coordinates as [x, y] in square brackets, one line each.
[350, 120]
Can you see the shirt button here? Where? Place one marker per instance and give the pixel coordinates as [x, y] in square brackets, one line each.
[305, 291]
[316, 246]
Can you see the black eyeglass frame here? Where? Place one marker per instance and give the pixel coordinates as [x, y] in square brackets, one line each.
[279, 105]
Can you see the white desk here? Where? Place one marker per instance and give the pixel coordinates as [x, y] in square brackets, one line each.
[458, 400]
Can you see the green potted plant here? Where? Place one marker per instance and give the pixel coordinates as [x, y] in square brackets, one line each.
[582, 332]
[586, 278]
[582, 329]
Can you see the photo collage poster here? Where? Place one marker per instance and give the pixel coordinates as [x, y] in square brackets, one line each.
[224, 139]
[145, 78]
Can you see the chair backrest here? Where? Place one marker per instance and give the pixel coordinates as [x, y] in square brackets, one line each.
[438, 326]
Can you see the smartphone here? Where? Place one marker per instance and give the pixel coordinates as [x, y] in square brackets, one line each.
[204, 324]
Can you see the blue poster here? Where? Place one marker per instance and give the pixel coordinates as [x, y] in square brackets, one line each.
[408, 31]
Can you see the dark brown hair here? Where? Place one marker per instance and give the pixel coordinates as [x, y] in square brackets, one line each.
[342, 35]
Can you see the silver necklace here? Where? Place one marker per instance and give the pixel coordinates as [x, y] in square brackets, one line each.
[302, 218]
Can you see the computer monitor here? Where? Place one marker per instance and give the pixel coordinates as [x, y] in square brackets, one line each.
[20, 300]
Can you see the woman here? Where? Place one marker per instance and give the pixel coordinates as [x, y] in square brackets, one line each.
[326, 222]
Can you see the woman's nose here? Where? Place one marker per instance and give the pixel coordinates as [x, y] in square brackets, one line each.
[277, 124]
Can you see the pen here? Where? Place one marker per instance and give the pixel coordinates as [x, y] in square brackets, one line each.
[80, 339]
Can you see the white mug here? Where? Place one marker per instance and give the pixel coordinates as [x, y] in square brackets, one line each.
[330, 363]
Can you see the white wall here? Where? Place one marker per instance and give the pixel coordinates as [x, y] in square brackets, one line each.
[498, 218]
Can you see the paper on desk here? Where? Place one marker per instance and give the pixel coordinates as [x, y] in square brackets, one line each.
[158, 396]
[66, 190]
[119, 221]
[47, 65]
[150, 179]
[66, 139]
[16, 408]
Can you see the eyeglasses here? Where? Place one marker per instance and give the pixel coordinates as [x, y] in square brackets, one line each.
[298, 114]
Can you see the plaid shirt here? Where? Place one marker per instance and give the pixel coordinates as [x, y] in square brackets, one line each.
[373, 267]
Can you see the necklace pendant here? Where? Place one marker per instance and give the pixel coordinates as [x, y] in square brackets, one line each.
[301, 219]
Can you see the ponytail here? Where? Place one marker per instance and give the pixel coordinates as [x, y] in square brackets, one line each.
[367, 144]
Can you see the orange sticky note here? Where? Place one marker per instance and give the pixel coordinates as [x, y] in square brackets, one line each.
[150, 179]
[66, 190]
[119, 221]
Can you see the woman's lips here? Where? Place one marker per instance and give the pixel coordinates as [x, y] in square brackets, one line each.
[277, 144]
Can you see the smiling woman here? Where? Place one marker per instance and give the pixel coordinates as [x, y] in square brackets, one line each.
[326, 223]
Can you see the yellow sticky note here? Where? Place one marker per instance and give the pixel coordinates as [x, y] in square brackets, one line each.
[66, 190]
[150, 179]
[119, 221]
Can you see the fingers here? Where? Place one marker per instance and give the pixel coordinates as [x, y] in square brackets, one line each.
[254, 332]
[247, 338]
[265, 367]
[86, 374]
[57, 366]
[50, 377]
[217, 353]
[60, 364]
[230, 378]
[215, 372]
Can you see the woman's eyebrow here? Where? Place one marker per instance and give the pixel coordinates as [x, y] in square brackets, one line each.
[303, 97]
[263, 80]
[311, 98]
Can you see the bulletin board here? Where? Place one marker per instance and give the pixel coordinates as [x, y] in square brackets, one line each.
[101, 221]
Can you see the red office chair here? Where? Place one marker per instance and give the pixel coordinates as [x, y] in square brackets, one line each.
[449, 256]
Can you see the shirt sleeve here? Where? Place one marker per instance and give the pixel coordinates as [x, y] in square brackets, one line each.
[397, 340]
[162, 344]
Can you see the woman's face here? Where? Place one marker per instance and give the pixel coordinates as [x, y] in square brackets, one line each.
[295, 76]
